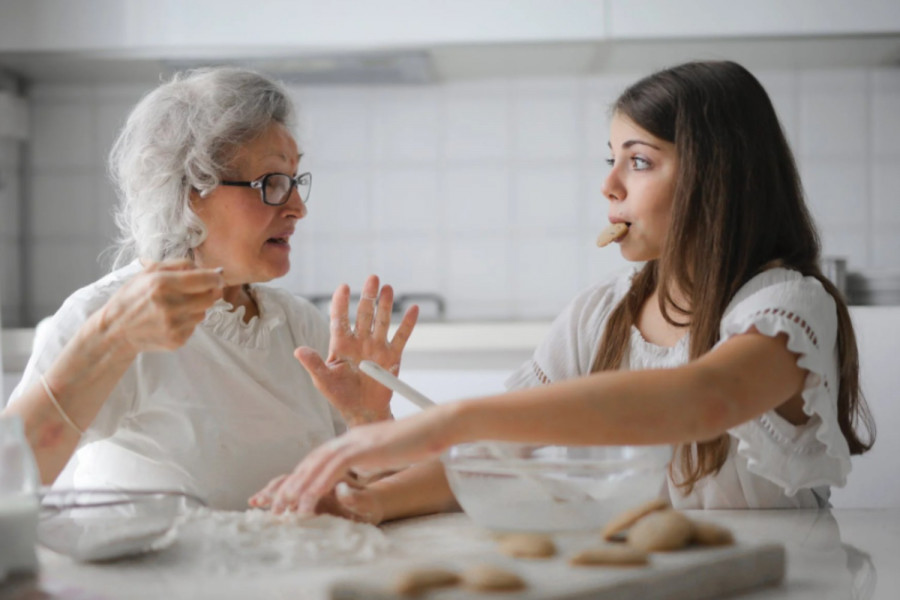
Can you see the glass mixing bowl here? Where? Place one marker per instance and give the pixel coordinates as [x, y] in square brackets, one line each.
[103, 525]
[522, 487]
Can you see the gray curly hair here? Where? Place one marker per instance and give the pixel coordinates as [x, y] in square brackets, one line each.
[180, 138]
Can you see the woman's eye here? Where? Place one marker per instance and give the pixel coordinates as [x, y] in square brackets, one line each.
[639, 163]
[610, 162]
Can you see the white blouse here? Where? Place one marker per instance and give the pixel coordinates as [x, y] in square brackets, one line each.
[218, 417]
[771, 464]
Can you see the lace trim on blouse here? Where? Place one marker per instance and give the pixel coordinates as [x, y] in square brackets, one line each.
[223, 320]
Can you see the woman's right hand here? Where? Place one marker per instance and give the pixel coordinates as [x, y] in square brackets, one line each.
[159, 308]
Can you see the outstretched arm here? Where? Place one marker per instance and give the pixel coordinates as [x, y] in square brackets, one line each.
[746, 376]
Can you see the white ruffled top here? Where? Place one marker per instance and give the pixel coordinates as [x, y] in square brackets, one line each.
[219, 417]
[772, 463]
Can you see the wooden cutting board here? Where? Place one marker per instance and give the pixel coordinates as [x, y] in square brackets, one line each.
[691, 574]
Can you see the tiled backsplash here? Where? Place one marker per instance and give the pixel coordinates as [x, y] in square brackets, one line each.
[486, 192]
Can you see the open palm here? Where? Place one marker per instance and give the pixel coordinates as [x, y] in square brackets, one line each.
[359, 398]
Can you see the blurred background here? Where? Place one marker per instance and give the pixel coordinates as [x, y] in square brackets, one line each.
[457, 150]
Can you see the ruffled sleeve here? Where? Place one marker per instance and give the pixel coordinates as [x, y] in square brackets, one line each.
[815, 453]
[571, 345]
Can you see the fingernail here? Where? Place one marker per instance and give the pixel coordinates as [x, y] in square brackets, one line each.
[305, 507]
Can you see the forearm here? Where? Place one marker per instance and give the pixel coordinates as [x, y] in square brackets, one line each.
[621, 407]
[81, 379]
[419, 490]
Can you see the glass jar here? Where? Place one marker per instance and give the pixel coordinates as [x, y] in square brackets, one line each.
[19, 502]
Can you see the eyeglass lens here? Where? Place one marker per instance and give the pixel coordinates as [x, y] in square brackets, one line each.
[277, 188]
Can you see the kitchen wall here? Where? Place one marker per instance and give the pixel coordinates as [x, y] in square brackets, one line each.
[486, 191]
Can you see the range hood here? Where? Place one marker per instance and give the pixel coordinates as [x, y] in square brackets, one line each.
[423, 41]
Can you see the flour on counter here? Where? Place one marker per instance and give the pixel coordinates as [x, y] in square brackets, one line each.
[230, 542]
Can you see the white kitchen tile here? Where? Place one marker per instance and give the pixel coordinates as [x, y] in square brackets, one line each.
[546, 197]
[558, 86]
[886, 195]
[405, 200]
[110, 118]
[546, 127]
[10, 292]
[406, 125]
[609, 86]
[476, 198]
[122, 93]
[495, 86]
[106, 203]
[885, 142]
[340, 200]
[62, 204]
[9, 154]
[410, 264]
[339, 128]
[853, 244]
[61, 133]
[10, 189]
[62, 93]
[545, 275]
[837, 191]
[886, 251]
[478, 278]
[477, 127]
[601, 264]
[340, 260]
[595, 207]
[60, 268]
[832, 80]
[298, 279]
[596, 127]
[832, 117]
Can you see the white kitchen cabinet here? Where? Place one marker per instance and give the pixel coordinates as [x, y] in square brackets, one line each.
[651, 19]
[173, 28]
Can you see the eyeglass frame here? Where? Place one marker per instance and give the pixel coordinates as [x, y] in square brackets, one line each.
[259, 185]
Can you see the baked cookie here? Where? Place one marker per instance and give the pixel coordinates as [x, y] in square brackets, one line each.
[488, 578]
[527, 545]
[661, 531]
[623, 521]
[710, 534]
[612, 233]
[419, 581]
[619, 556]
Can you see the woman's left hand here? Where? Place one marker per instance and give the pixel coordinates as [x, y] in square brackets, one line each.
[368, 448]
[359, 398]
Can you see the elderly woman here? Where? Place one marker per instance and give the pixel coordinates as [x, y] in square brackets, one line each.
[176, 369]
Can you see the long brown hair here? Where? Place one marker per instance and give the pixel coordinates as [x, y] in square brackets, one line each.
[737, 210]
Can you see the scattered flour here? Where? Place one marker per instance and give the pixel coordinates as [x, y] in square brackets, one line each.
[257, 540]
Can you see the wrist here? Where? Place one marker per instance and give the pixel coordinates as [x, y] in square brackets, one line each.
[364, 417]
[106, 338]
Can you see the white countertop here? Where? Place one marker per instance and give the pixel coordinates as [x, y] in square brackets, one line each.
[835, 554]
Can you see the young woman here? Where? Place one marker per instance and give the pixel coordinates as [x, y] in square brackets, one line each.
[728, 342]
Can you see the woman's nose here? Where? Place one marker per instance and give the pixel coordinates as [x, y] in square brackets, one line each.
[612, 187]
[295, 205]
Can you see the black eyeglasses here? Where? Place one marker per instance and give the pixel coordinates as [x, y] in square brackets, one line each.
[276, 188]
